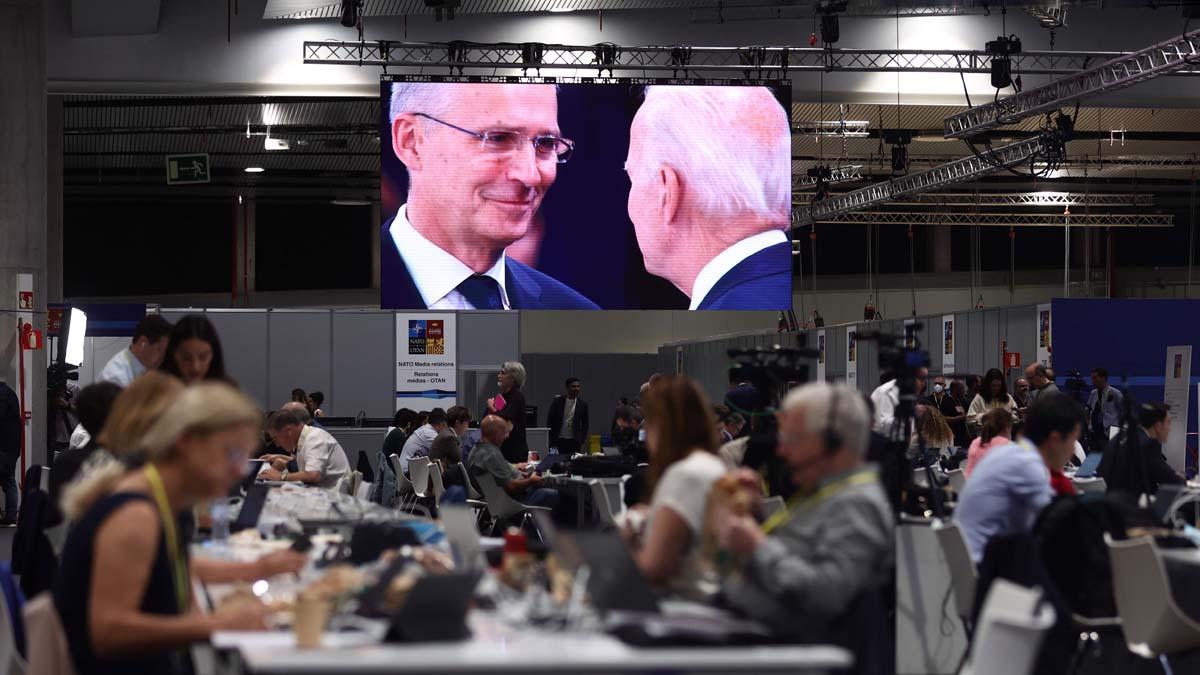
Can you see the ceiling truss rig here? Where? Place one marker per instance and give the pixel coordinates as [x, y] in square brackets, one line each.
[684, 60]
[970, 218]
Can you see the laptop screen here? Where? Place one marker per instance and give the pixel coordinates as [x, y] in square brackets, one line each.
[1089, 466]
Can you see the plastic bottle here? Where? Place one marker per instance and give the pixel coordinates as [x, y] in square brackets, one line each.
[220, 520]
[518, 563]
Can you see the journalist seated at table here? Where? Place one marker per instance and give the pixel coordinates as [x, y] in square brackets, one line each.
[681, 436]
[421, 440]
[1135, 465]
[319, 457]
[1013, 483]
[806, 567]
[486, 461]
[124, 590]
[446, 451]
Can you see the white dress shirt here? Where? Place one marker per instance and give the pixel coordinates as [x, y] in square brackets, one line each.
[434, 271]
[568, 423]
[730, 258]
[122, 369]
[886, 397]
[317, 450]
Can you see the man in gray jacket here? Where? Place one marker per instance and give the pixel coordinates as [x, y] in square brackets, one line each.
[805, 567]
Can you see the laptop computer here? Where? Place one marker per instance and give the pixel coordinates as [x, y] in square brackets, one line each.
[252, 508]
[459, 525]
[551, 462]
[1089, 466]
[614, 581]
[435, 609]
[254, 466]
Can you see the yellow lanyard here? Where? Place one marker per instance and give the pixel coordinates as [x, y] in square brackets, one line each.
[800, 502]
[178, 564]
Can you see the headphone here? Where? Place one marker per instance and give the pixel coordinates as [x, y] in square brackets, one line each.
[832, 439]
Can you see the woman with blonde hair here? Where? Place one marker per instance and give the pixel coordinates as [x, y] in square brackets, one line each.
[932, 425]
[681, 437]
[124, 588]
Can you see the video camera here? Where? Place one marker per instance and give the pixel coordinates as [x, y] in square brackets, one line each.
[770, 373]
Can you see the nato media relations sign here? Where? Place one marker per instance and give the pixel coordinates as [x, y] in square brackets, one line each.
[187, 169]
[426, 361]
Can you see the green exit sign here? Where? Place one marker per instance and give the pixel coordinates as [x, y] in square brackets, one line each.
[184, 169]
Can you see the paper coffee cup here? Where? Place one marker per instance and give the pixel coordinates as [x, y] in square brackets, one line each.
[309, 621]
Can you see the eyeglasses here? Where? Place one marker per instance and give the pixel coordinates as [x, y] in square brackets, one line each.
[545, 148]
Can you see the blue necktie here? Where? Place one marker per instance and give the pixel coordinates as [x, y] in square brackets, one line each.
[482, 292]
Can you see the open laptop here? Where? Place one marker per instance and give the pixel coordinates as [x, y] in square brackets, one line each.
[614, 581]
[435, 609]
[459, 525]
[1089, 466]
[253, 467]
[551, 462]
[252, 508]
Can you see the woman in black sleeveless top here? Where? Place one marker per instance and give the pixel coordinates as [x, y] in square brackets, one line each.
[124, 590]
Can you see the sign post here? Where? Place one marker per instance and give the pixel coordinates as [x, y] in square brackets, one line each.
[1176, 389]
[426, 362]
[187, 169]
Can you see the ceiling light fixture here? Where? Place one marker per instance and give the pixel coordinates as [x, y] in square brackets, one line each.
[254, 169]
[276, 144]
[560, 10]
[351, 202]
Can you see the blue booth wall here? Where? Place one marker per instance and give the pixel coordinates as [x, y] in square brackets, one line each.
[1129, 338]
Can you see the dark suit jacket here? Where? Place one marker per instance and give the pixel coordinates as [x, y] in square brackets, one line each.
[762, 281]
[527, 288]
[515, 447]
[554, 419]
[1132, 470]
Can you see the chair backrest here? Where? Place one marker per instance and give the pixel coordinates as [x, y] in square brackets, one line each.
[1149, 616]
[500, 504]
[1010, 631]
[403, 485]
[472, 493]
[418, 471]
[44, 479]
[364, 490]
[48, 651]
[772, 505]
[11, 662]
[958, 480]
[435, 478]
[600, 499]
[963, 574]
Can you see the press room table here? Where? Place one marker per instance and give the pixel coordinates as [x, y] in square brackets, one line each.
[495, 649]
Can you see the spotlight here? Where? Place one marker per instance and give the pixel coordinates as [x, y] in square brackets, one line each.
[254, 169]
[899, 140]
[830, 28]
[351, 12]
[443, 8]
[1002, 50]
[606, 56]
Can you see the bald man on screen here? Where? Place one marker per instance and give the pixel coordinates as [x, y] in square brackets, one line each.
[711, 194]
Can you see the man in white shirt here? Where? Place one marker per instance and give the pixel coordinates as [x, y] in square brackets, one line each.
[421, 440]
[886, 397]
[321, 459]
[711, 194]
[480, 158]
[145, 352]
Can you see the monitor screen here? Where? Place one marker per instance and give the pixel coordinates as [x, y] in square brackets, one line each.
[587, 193]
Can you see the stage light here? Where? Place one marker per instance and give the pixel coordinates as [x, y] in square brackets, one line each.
[351, 12]
[255, 169]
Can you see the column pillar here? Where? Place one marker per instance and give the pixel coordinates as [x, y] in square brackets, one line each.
[23, 181]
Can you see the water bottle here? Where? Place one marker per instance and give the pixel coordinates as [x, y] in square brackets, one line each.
[220, 520]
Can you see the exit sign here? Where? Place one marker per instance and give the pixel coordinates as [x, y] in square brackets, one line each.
[184, 169]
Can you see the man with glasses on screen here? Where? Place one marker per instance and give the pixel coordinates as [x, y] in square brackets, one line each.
[480, 158]
[711, 194]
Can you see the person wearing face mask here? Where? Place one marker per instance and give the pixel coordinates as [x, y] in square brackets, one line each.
[194, 351]
[1135, 466]
[951, 409]
[1014, 482]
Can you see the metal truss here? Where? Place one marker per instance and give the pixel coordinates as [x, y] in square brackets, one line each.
[1034, 199]
[836, 128]
[922, 181]
[1161, 59]
[1077, 161]
[961, 218]
[683, 60]
[841, 174]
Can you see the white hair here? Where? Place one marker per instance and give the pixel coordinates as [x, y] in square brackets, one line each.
[696, 131]
[819, 401]
[431, 98]
[515, 370]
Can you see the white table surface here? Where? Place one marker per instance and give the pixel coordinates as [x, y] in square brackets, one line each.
[494, 649]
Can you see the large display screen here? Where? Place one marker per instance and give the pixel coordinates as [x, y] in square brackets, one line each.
[544, 193]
